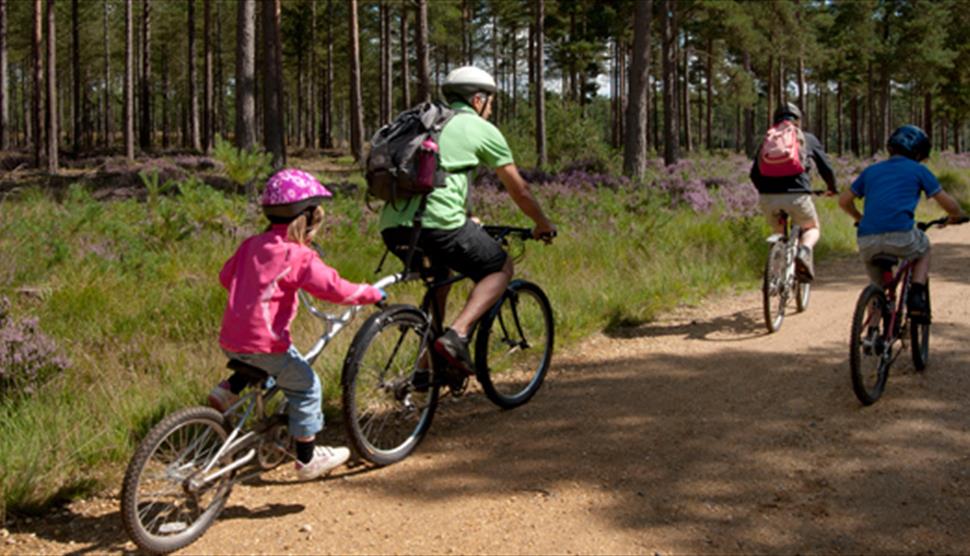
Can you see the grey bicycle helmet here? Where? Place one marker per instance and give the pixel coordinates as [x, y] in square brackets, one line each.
[787, 110]
[464, 82]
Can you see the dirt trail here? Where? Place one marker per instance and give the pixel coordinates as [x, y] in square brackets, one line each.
[697, 433]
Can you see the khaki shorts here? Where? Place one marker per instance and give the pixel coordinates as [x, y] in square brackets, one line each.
[911, 244]
[799, 207]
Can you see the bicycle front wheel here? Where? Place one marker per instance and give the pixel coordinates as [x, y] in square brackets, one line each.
[165, 505]
[919, 335]
[389, 393]
[513, 348]
[803, 290]
[774, 290]
[870, 347]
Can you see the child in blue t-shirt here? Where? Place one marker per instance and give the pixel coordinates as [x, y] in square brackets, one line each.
[891, 190]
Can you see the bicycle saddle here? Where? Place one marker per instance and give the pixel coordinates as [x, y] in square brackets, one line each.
[885, 261]
[254, 374]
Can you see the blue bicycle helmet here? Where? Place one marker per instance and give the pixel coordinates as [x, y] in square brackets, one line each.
[909, 141]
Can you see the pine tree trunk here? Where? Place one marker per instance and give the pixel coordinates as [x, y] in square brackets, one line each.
[195, 141]
[928, 114]
[382, 83]
[386, 69]
[37, 107]
[957, 139]
[635, 145]
[748, 113]
[219, 83]
[710, 94]
[540, 90]
[326, 117]
[145, 129]
[245, 74]
[854, 125]
[421, 44]
[208, 111]
[685, 98]
[871, 113]
[4, 81]
[802, 105]
[311, 116]
[514, 74]
[77, 109]
[356, 103]
[405, 71]
[615, 138]
[671, 133]
[129, 85]
[273, 124]
[166, 98]
[838, 120]
[770, 96]
[53, 133]
[107, 81]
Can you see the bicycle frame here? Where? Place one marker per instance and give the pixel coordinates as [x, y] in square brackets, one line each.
[789, 238]
[891, 282]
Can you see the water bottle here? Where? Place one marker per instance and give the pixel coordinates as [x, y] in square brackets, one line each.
[427, 163]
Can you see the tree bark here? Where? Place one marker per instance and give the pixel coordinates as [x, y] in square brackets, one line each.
[245, 74]
[4, 97]
[871, 112]
[685, 95]
[838, 120]
[207, 100]
[709, 138]
[53, 134]
[671, 120]
[219, 120]
[326, 117]
[145, 128]
[37, 108]
[421, 44]
[381, 77]
[195, 141]
[405, 71]
[129, 85]
[107, 80]
[540, 91]
[928, 113]
[273, 124]
[166, 97]
[77, 109]
[770, 96]
[386, 69]
[635, 145]
[854, 125]
[748, 113]
[356, 102]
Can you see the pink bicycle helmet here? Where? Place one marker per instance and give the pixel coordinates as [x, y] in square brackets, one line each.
[290, 192]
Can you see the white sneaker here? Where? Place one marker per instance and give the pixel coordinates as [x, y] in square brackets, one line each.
[221, 398]
[325, 459]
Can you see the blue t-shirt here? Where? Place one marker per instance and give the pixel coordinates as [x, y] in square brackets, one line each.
[891, 191]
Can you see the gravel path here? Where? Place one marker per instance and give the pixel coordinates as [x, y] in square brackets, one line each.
[696, 433]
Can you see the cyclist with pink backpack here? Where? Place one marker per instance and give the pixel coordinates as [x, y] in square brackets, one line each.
[781, 174]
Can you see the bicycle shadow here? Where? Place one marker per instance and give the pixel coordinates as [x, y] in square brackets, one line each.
[736, 327]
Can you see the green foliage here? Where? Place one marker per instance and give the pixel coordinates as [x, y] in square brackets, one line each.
[243, 167]
[571, 136]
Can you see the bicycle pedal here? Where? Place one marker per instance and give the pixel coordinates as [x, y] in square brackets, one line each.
[457, 385]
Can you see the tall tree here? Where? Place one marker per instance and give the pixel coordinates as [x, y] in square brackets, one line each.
[76, 110]
[36, 107]
[540, 89]
[671, 131]
[4, 99]
[245, 74]
[195, 141]
[635, 145]
[145, 105]
[107, 79]
[356, 102]
[208, 111]
[421, 46]
[326, 111]
[52, 115]
[272, 83]
[129, 112]
[405, 71]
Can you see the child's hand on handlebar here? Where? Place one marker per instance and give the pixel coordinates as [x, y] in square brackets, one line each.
[545, 232]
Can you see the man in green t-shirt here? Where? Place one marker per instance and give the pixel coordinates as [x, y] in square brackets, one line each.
[449, 238]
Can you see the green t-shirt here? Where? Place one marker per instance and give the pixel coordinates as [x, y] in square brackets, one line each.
[466, 141]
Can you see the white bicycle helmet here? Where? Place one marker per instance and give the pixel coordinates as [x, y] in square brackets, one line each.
[466, 81]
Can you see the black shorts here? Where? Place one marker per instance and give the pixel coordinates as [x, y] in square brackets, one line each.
[468, 250]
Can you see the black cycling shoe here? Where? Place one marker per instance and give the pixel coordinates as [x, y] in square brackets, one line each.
[421, 380]
[918, 304]
[804, 267]
[455, 350]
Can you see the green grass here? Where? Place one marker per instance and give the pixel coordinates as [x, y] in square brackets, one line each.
[130, 292]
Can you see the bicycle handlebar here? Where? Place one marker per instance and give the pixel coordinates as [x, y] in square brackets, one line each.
[499, 232]
[941, 222]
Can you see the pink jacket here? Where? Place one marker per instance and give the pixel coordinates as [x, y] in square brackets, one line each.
[263, 277]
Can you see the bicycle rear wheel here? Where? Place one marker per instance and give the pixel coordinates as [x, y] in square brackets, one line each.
[514, 344]
[919, 335]
[164, 505]
[774, 290]
[389, 392]
[870, 347]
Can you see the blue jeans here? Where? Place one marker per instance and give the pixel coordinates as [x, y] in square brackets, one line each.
[298, 382]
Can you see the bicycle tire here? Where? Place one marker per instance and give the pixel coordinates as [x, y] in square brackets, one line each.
[196, 433]
[522, 319]
[868, 359]
[803, 292]
[373, 400]
[773, 294]
[919, 336]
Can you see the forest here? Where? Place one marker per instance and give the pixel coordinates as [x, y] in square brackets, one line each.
[141, 78]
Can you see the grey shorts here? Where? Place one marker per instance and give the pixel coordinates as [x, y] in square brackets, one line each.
[911, 244]
[798, 205]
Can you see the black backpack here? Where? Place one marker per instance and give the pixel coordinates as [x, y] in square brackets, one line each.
[392, 164]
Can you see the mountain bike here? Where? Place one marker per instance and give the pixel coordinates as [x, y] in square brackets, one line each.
[881, 326]
[392, 378]
[182, 472]
[780, 282]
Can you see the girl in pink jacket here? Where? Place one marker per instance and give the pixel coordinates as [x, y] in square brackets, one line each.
[263, 278]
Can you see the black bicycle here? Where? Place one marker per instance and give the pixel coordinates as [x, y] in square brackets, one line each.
[392, 378]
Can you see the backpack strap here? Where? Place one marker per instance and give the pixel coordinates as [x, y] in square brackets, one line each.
[415, 232]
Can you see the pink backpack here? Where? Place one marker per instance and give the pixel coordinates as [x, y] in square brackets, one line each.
[783, 151]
